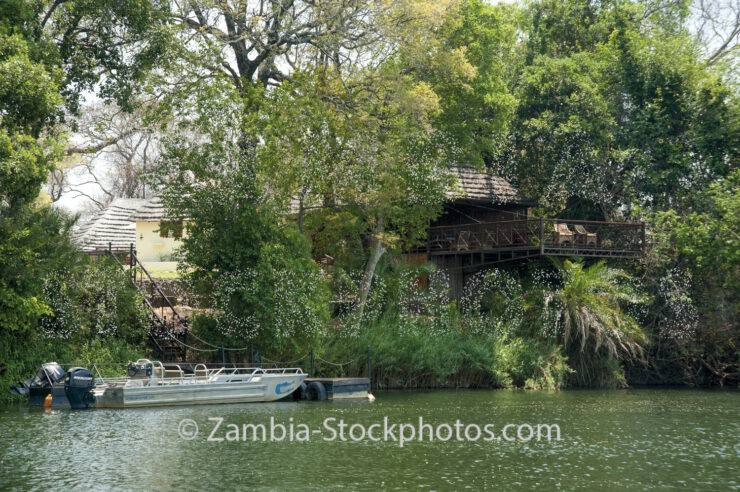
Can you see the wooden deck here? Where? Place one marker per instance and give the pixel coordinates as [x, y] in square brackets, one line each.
[495, 242]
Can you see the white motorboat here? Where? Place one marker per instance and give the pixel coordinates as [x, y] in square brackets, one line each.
[150, 383]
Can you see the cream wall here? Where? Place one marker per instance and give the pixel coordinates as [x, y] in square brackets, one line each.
[152, 248]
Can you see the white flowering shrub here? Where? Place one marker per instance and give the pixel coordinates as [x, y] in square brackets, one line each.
[94, 299]
[250, 305]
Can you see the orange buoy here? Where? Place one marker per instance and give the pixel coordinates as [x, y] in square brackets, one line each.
[47, 401]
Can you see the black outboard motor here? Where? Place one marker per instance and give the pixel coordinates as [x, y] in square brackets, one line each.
[39, 386]
[78, 387]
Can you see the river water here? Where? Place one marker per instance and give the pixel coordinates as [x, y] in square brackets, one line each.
[631, 439]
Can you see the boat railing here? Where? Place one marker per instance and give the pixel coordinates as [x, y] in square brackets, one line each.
[95, 366]
[161, 374]
[213, 375]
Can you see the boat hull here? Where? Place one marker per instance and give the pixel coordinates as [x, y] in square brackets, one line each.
[258, 389]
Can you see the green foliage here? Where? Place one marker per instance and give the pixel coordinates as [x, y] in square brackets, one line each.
[419, 337]
[417, 357]
[93, 299]
[363, 143]
[105, 351]
[29, 104]
[24, 356]
[30, 246]
[86, 311]
[693, 269]
[476, 110]
[562, 130]
[588, 315]
[708, 240]
[242, 258]
[412, 352]
[615, 108]
[29, 92]
[32, 241]
[531, 363]
[93, 45]
[595, 109]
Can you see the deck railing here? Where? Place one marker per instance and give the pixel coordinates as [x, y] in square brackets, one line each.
[550, 236]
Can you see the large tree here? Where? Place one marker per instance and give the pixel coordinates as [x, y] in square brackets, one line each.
[616, 108]
[330, 101]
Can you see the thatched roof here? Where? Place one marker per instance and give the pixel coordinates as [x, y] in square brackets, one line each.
[473, 186]
[111, 225]
[481, 186]
[151, 211]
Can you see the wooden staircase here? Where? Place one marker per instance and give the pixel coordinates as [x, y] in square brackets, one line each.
[167, 326]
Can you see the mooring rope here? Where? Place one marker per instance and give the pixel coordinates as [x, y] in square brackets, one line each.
[190, 346]
[207, 343]
[338, 365]
[286, 362]
[214, 349]
[237, 349]
[171, 336]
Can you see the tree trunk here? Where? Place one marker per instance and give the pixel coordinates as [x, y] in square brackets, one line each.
[300, 210]
[377, 248]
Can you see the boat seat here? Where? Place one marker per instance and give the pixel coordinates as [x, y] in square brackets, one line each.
[173, 373]
[201, 371]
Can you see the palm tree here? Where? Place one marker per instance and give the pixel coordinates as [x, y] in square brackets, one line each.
[592, 324]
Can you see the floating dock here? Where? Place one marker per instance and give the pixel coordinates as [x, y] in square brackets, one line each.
[334, 389]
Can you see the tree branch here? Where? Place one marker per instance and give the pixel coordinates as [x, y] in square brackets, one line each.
[94, 149]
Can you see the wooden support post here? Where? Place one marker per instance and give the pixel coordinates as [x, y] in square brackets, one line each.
[368, 364]
[251, 354]
[644, 243]
[131, 262]
[311, 362]
[185, 344]
[161, 348]
[223, 354]
[542, 236]
[164, 329]
[110, 248]
[429, 223]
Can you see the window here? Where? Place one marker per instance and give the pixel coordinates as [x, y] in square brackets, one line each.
[170, 229]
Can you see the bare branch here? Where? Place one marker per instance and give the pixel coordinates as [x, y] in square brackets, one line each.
[717, 26]
[94, 149]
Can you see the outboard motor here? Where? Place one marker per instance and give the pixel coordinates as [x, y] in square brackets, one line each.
[78, 387]
[39, 386]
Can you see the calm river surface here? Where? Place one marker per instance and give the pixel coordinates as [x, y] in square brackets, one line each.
[634, 439]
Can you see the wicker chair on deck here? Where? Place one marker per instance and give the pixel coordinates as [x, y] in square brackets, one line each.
[463, 241]
[585, 237]
[489, 239]
[563, 235]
